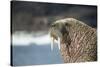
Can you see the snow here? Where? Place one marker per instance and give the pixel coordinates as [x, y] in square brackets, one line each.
[26, 39]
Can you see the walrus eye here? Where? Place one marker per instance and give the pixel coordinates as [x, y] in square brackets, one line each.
[66, 24]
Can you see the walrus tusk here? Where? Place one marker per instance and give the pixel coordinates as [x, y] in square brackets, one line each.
[52, 43]
[59, 43]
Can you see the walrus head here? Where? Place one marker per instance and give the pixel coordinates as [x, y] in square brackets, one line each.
[61, 30]
[57, 31]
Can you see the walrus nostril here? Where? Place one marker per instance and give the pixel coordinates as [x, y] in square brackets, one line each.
[53, 25]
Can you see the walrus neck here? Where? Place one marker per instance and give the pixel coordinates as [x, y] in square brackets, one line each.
[78, 30]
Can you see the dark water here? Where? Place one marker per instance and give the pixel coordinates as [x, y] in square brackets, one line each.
[35, 55]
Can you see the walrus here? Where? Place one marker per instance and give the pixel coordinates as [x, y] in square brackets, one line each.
[76, 40]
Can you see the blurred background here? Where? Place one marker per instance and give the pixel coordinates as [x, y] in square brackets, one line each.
[30, 22]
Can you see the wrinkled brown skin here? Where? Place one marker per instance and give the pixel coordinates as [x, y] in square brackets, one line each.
[78, 40]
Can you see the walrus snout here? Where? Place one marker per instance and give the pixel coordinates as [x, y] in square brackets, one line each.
[56, 33]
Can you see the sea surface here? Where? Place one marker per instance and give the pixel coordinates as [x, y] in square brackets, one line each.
[35, 55]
